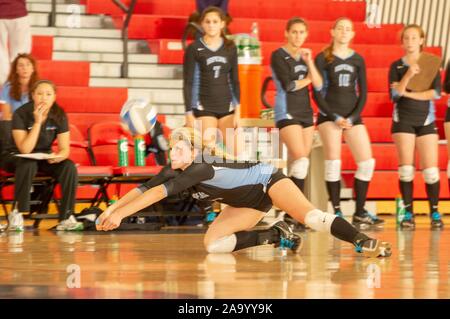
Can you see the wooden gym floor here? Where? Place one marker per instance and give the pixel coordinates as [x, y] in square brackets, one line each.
[173, 264]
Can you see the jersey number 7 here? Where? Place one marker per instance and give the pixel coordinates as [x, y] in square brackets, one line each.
[216, 70]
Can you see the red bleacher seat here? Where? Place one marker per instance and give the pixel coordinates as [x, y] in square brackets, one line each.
[85, 120]
[103, 138]
[93, 179]
[42, 47]
[91, 100]
[375, 55]
[270, 30]
[255, 9]
[70, 73]
[384, 185]
[385, 155]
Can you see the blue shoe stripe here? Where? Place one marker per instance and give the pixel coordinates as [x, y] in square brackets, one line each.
[435, 216]
[408, 216]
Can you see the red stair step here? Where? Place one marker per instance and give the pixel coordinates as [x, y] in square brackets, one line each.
[42, 47]
[376, 56]
[89, 99]
[386, 157]
[68, 73]
[384, 185]
[323, 9]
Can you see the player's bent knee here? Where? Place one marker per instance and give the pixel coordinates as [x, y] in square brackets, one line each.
[319, 221]
[224, 244]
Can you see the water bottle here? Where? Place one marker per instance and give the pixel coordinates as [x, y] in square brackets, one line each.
[255, 44]
[139, 151]
[255, 30]
[399, 209]
[113, 200]
[246, 49]
[123, 151]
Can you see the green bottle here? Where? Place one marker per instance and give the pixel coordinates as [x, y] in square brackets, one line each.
[113, 200]
[399, 209]
[139, 151]
[123, 151]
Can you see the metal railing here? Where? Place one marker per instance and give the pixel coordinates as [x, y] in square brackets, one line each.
[129, 12]
[52, 15]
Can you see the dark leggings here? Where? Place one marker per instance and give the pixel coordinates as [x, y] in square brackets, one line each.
[65, 173]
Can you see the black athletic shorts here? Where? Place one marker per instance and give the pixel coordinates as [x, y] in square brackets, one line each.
[322, 119]
[398, 127]
[266, 203]
[198, 113]
[303, 123]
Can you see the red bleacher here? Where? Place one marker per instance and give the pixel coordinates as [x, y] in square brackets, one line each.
[375, 56]
[314, 10]
[72, 73]
[42, 47]
[161, 22]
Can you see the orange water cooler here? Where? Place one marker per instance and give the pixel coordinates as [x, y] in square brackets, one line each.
[250, 78]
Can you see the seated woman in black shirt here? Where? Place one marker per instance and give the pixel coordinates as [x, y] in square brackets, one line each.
[35, 126]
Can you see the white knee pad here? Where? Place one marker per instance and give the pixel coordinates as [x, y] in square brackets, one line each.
[365, 170]
[431, 175]
[222, 245]
[299, 168]
[320, 221]
[332, 170]
[406, 173]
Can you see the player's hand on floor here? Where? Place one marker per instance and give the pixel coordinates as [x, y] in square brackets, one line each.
[111, 222]
[100, 219]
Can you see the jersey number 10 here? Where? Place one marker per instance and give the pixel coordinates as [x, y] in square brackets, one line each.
[344, 80]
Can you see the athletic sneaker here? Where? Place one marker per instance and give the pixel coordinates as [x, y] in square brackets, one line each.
[408, 221]
[373, 248]
[436, 221]
[70, 224]
[288, 239]
[15, 221]
[339, 214]
[294, 224]
[366, 220]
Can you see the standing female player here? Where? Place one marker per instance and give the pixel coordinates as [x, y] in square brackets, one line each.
[211, 84]
[249, 190]
[414, 126]
[293, 71]
[341, 101]
[447, 116]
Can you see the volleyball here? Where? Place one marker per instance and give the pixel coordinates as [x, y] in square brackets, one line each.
[138, 116]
